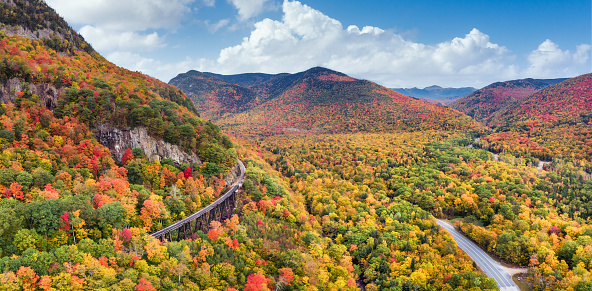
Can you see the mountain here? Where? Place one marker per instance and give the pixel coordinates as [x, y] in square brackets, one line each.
[213, 94]
[35, 20]
[557, 120]
[435, 92]
[43, 60]
[248, 79]
[444, 101]
[76, 215]
[485, 102]
[318, 99]
[563, 102]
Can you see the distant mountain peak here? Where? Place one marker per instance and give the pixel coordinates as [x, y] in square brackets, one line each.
[435, 92]
[315, 99]
[319, 71]
[484, 103]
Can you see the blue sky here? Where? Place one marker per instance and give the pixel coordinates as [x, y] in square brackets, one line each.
[394, 43]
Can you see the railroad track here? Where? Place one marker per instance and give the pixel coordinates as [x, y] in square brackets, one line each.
[218, 210]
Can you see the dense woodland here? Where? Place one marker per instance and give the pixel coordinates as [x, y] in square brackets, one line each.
[551, 123]
[523, 215]
[327, 203]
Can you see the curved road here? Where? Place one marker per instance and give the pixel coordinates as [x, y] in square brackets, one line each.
[492, 268]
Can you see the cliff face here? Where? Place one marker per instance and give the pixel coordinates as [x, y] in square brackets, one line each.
[118, 140]
[48, 93]
[232, 176]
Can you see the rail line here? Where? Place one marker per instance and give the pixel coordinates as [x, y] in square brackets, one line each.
[218, 210]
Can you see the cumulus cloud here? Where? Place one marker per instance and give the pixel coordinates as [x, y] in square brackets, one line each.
[136, 15]
[126, 40]
[306, 37]
[249, 8]
[156, 68]
[549, 59]
[114, 24]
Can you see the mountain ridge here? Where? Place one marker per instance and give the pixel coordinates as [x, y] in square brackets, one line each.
[490, 100]
[553, 122]
[315, 99]
[435, 92]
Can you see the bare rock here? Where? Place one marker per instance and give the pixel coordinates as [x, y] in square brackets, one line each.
[118, 140]
[232, 176]
[48, 93]
[12, 30]
[9, 89]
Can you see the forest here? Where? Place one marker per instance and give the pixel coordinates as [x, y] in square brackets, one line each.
[344, 179]
[523, 215]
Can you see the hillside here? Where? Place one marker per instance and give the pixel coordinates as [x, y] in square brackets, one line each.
[44, 60]
[556, 120]
[248, 79]
[213, 94]
[484, 103]
[35, 20]
[435, 92]
[567, 102]
[315, 100]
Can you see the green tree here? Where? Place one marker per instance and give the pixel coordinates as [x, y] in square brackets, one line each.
[27, 239]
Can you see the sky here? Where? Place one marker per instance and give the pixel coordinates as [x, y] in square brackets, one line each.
[396, 43]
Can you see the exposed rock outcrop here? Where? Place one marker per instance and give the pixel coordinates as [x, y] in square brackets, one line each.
[232, 176]
[48, 93]
[39, 34]
[118, 140]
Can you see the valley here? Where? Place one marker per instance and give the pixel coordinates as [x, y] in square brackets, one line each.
[111, 179]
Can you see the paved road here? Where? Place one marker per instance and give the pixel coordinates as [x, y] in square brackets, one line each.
[492, 268]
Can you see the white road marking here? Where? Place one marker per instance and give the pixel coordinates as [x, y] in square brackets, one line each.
[492, 268]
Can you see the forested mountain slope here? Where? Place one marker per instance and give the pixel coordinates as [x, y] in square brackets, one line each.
[490, 100]
[77, 82]
[555, 122]
[315, 100]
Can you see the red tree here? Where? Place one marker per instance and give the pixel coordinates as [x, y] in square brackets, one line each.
[286, 275]
[127, 156]
[256, 282]
[65, 221]
[144, 285]
[187, 172]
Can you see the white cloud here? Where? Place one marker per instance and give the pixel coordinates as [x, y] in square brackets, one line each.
[128, 15]
[114, 24]
[549, 60]
[213, 27]
[249, 8]
[156, 68]
[209, 2]
[306, 37]
[127, 40]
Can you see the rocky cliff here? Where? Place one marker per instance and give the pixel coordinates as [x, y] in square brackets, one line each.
[48, 93]
[118, 140]
[232, 176]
